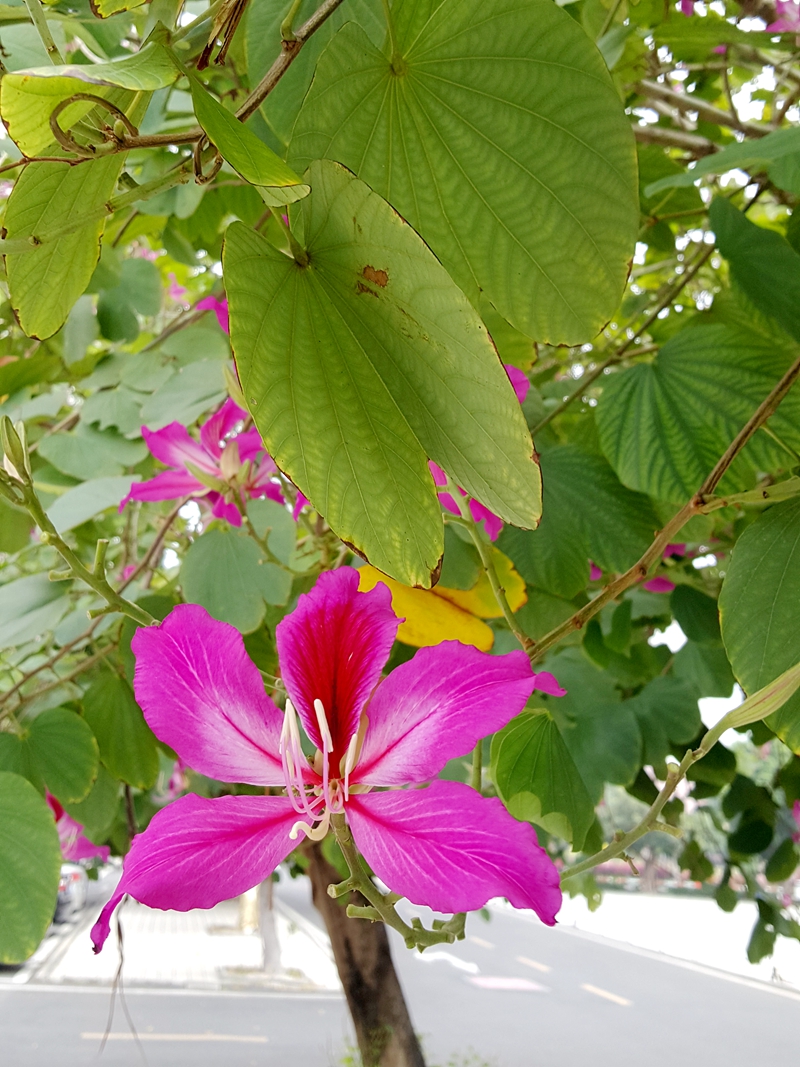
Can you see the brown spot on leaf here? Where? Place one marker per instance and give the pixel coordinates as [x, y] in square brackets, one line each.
[377, 277]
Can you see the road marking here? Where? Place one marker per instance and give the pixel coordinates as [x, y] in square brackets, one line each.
[244, 1039]
[480, 941]
[607, 996]
[536, 966]
[448, 957]
[522, 985]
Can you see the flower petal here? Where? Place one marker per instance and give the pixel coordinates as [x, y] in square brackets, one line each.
[299, 504]
[175, 447]
[451, 849]
[659, 585]
[202, 695]
[222, 509]
[197, 852]
[219, 307]
[250, 444]
[493, 524]
[546, 682]
[219, 426]
[437, 707]
[332, 648]
[519, 380]
[169, 485]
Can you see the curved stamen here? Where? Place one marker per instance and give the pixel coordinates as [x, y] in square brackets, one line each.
[292, 760]
[315, 833]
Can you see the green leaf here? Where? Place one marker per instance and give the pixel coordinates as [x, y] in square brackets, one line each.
[348, 367]
[86, 500]
[246, 153]
[28, 97]
[763, 264]
[15, 528]
[586, 514]
[758, 609]
[88, 453]
[45, 282]
[269, 517]
[64, 753]
[80, 330]
[753, 155]
[783, 862]
[120, 408]
[601, 733]
[537, 778]
[97, 812]
[263, 43]
[461, 564]
[103, 9]
[668, 716]
[696, 614]
[40, 367]
[663, 425]
[695, 861]
[706, 668]
[482, 132]
[30, 865]
[28, 607]
[127, 746]
[186, 395]
[223, 570]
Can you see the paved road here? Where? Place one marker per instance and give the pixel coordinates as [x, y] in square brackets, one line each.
[515, 994]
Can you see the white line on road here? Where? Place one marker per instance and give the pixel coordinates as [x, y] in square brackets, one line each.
[536, 966]
[448, 957]
[480, 941]
[245, 1039]
[607, 996]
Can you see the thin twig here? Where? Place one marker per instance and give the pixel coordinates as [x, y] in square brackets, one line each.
[36, 12]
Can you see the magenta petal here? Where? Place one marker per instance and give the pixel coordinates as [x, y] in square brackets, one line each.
[451, 849]
[519, 381]
[595, 574]
[493, 523]
[174, 447]
[219, 307]
[223, 509]
[197, 852]
[250, 444]
[437, 707]
[332, 648]
[547, 683]
[220, 425]
[203, 696]
[659, 585]
[675, 550]
[299, 504]
[169, 485]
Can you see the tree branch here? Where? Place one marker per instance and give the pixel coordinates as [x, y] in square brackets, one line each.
[689, 102]
[661, 135]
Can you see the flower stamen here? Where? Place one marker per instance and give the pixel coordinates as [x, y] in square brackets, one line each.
[292, 759]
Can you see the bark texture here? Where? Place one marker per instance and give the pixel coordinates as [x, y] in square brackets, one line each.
[361, 949]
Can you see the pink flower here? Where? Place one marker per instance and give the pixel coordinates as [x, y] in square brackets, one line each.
[74, 843]
[546, 682]
[788, 20]
[796, 814]
[493, 524]
[221, 466]
[687, 7]
[659, 585]
[444, 846]
[219, 307]
[176, 292]
[128, 572]
[595, 574]
[674, 550]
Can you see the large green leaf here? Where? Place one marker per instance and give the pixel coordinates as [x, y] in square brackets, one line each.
[223, 570]
[30, 863]
[86, 500]
[64, 752]
[498, 133]
[246, 153]
[88, 453]
[663, 425]
[668, 716]
[364, 364]
[586, 514]
[263, 43]
[28, 97]
[97, 811]
[45, 282]
[15, 527]
[762, 263]
[537, 778]
[127, 746]
[758, 609]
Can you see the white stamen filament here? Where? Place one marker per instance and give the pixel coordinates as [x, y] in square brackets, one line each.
[349, 763]
[292, 758]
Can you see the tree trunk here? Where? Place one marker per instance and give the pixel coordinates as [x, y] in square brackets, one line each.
[377, 1006]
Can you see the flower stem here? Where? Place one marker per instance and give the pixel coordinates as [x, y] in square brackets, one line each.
[381, 907]
[485, 552]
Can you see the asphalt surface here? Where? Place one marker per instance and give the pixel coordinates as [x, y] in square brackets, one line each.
[514, 994]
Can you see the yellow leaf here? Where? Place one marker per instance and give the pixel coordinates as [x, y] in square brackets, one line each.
[480, 600]
[430, 618]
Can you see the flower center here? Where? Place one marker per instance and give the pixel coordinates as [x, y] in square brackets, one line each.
[317, 803]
